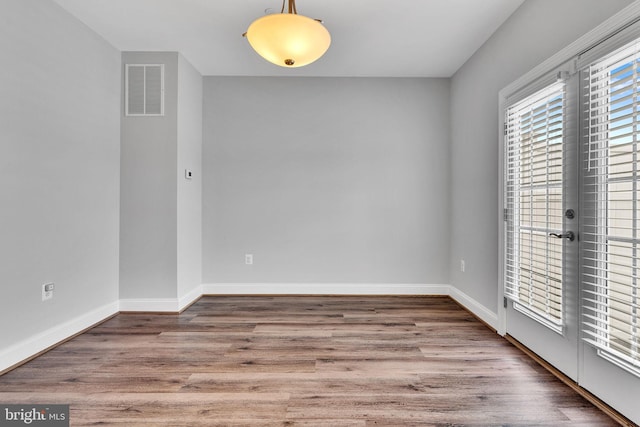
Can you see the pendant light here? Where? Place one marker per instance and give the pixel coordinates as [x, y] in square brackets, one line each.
[288, 39]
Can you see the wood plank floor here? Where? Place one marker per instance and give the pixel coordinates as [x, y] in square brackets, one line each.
[299, 361]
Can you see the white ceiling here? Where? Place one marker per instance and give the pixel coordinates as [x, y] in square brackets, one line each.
[408, 38]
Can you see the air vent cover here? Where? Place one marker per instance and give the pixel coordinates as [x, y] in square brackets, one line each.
[144, 90]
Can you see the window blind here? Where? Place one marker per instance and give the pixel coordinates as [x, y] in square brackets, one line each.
[611, 207]
[533, 199]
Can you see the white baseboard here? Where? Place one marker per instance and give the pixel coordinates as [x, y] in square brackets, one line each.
[479, 310]
[323, 289]
[33, 345]
[163, 305]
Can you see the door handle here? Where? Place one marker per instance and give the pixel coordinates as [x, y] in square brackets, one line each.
[568, 235]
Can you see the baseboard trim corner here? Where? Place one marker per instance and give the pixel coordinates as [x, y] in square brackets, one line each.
[189, 298]
[480, 311]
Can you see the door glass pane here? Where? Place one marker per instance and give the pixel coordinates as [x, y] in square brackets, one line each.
[534, 182]
[612, 233]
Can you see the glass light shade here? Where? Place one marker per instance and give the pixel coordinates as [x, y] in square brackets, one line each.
[288, 39]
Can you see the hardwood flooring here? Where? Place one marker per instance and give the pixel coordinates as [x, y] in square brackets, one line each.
[299, 361]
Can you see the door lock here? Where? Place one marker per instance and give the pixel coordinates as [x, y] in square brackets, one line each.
[568, 235]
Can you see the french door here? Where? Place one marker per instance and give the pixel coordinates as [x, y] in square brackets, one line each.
[541, 277]
[572, 222]
[610, 229]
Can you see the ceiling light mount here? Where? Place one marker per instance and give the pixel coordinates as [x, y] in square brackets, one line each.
[288, 39]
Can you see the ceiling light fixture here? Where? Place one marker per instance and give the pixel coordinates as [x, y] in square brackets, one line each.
[288, 39]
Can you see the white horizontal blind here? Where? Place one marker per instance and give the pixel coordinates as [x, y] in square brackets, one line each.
[611, 207]
[533, 198]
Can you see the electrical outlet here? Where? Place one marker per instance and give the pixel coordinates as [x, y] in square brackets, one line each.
[462, 265]
[47, 291]
[248, 259]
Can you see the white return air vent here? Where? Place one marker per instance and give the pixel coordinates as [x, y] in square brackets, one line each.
[144, 90]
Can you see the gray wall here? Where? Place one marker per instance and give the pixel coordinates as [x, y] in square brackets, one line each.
[148, 219]
[59, 168]
[326, 180]
[189, 198]
[508, 54]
